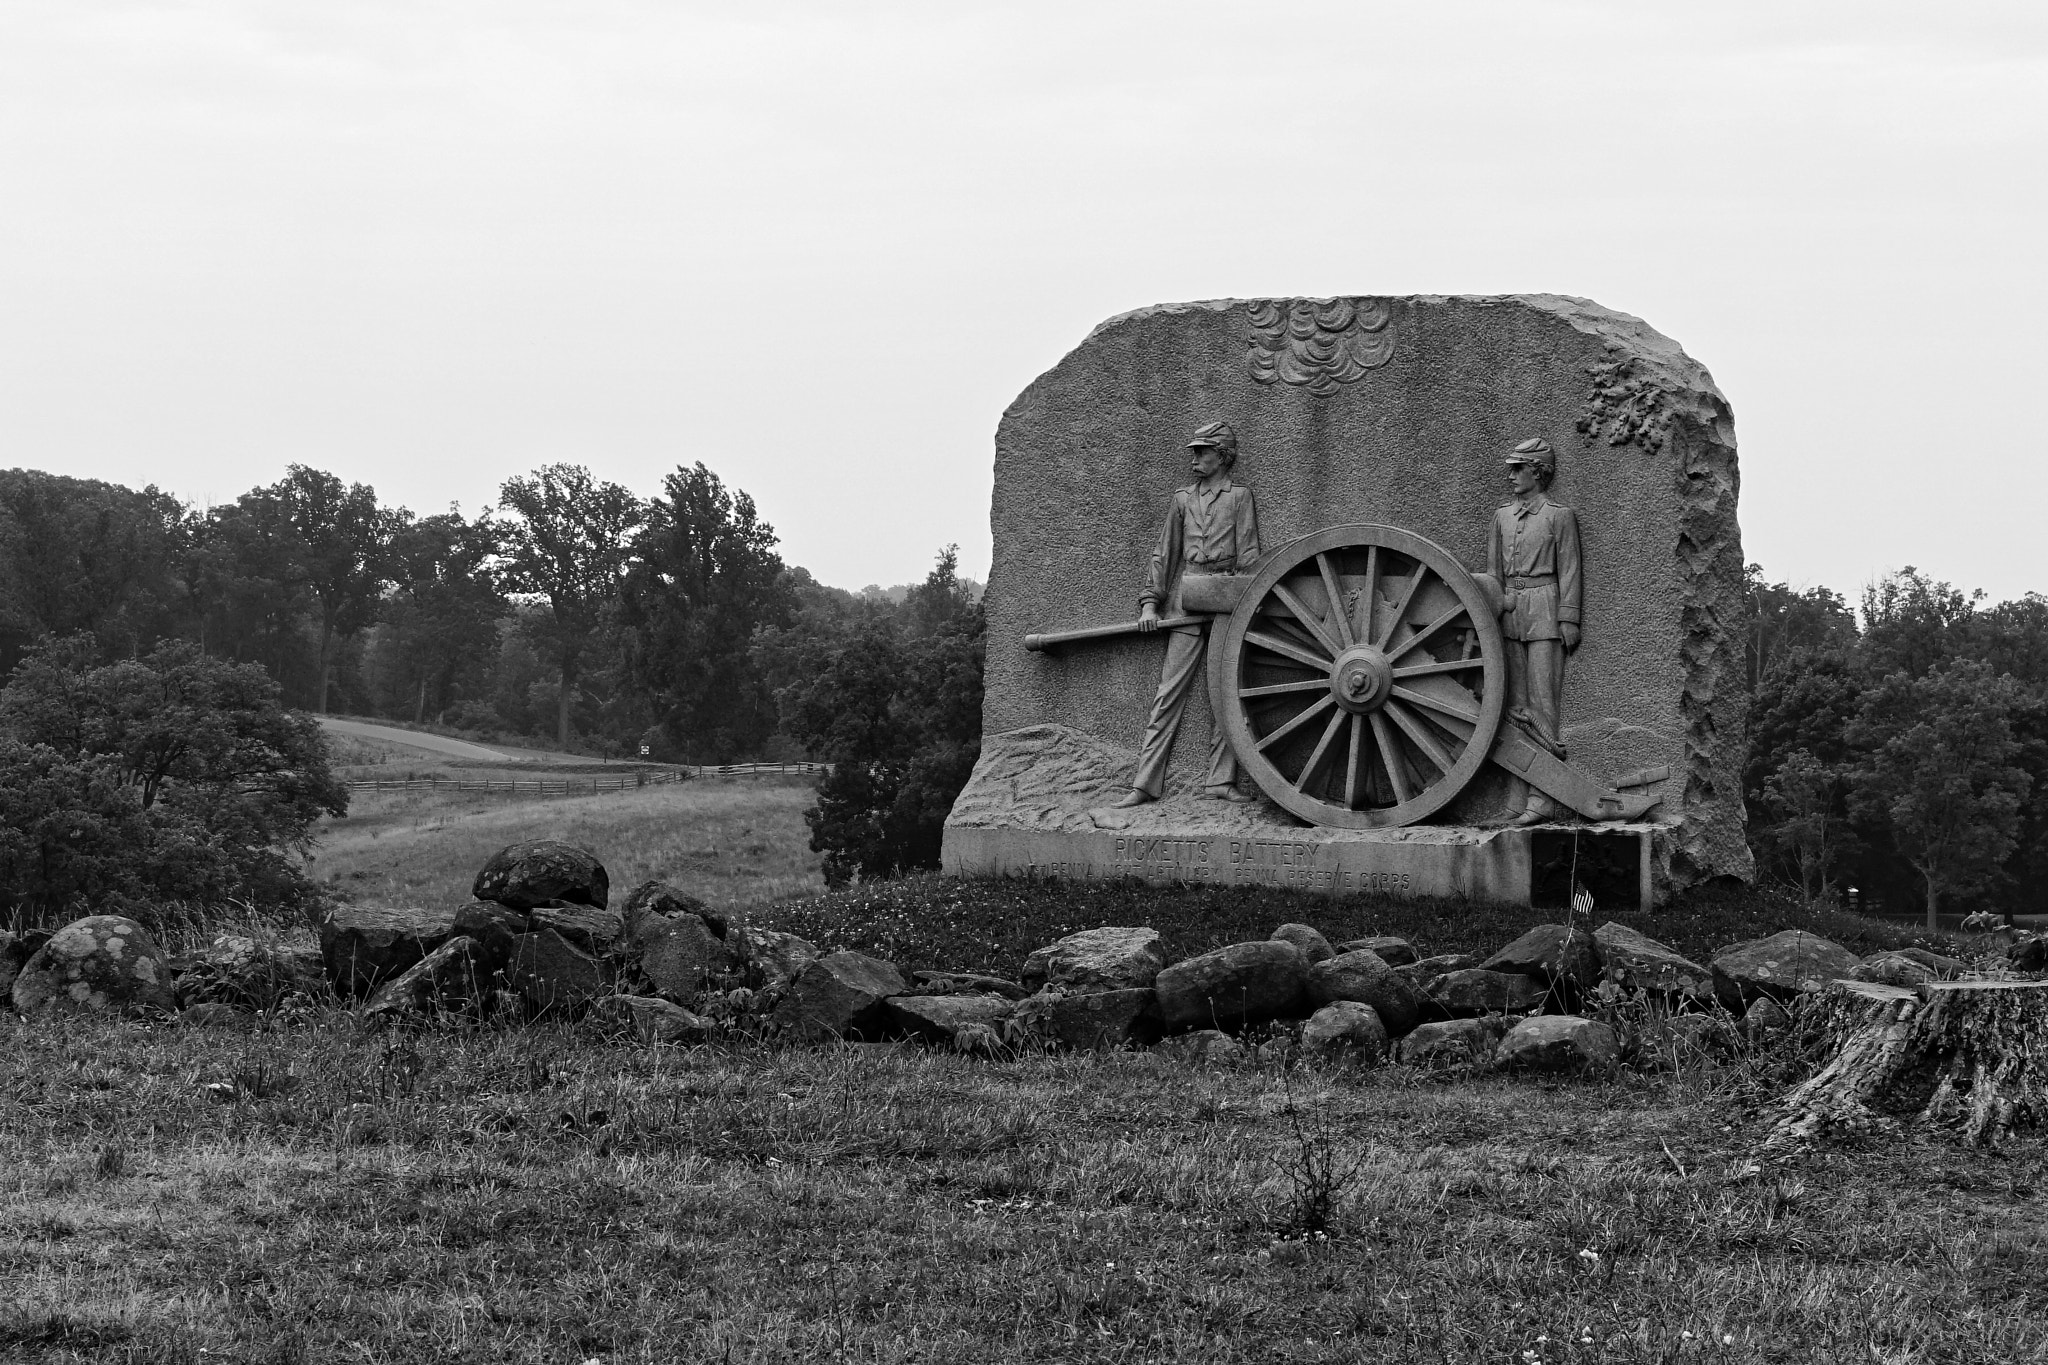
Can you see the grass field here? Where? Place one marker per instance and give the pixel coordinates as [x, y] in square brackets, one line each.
[731, 842]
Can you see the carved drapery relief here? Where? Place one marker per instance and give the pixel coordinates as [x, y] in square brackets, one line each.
[1318, 344]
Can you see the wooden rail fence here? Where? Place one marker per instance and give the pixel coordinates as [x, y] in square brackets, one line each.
[581, 786]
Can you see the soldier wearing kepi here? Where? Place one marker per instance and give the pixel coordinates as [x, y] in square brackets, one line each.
[1212, 528]
[1534, 553]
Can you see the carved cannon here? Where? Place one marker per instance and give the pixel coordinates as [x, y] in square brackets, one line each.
[1360, 676]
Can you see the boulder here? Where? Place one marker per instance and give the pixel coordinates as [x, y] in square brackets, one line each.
[1894, 969]
[99, 963]
[1097, 959]
[448, 981]
[588, 927]
[664, 901]
[1429, 969]
[496, 930]
[1240, 984]
[1765, 1015]
[1309, 939]
[769, 958]
[1640, 963]
[14, 951]
[1476, 990]
[679, 956]
[1944, 968]
[1363, 976]
[1454, 1042]
[1395, 952]
[1560, 1042]
[1203, 1047]
[241, 973]
[543, 870]
[1345, 1031]
[1778, 966]
[2029, 954]
[843, 994]
[965, 983]
[364, 946]
[646, 1018]
[1557, 954]
[940, 1018]
[1092, 1019]
[553, 975]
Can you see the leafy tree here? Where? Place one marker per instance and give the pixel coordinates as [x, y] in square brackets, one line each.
[1803, 801]
[1912, 622]
[704, 580]
[1783, 619]
[441, 620]
[246, 592]
[568, 547]
[897, 710]
[1941, 771]
[81, 555]
[174, 777]
[340, 538]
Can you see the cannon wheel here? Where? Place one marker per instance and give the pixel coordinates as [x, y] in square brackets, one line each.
[1361, 677]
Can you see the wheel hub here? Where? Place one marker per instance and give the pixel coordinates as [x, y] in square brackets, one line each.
[1361, 679]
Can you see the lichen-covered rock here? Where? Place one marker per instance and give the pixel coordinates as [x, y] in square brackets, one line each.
[770, 958]
[1395, 952]
[1778, 966]
[14, 952]
[553, 975]
[679, 956]
[366, 945]
[1557, 954]
[1765, 1015]
[842, 995]
[664, 901]
[1893, 969]
[1091, 1019]
[99, 963]
[1203, 1047]
[590, 928]
[1640, 963]
[965, 983]
[447, 982]
[1446, 1043]
[1110, 958]
[1345, 1031]
[1477, 991]
[1362, 975]
[239, 972]
[496, 929]
[1428, 969]
[646, 1018]
[1239, 984]
[1560, 1042]
[1944, 968]
[940, 1018]
[1309, 939]
[529, 874]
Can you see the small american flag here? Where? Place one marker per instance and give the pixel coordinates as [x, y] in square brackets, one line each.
[1582, 901]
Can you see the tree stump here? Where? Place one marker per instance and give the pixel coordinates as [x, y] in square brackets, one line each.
[1967, 1057]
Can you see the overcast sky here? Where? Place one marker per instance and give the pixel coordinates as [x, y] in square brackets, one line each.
[821, 246]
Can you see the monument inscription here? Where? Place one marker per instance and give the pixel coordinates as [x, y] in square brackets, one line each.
[1369, 659]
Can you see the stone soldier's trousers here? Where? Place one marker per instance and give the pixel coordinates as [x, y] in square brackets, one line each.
[1535, 695]
[1184, 660]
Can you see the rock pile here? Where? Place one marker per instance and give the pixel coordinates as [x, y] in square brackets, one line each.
[540, 940]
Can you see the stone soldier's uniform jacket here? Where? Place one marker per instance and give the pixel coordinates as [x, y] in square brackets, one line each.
[1208, 531]
[1213, 531]
[1534, 552]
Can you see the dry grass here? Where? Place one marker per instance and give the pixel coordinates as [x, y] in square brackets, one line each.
[547, 1197]
[730, 841]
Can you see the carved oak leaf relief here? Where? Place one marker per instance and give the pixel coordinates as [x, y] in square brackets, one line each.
[1317, 343]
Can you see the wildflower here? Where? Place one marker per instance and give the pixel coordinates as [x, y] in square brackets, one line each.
[1590, 1256]
[1728, 1340]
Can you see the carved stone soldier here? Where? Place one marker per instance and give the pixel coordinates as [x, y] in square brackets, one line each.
[1212, 528]
[1534, 553]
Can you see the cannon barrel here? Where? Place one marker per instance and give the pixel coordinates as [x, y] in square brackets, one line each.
[1054, 639]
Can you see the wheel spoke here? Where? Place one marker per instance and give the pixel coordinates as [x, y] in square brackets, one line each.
[1288, 651]
[1371, 596]
[1315, 760]
[1277, 689]
[1337, 615]
[1419, 734]
[1449, 708]
[1390, 758]
[1307, 714]
[1307, 617]
[1351, 764]
[1401, 609]
[1448, 666]
[1414, 642]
